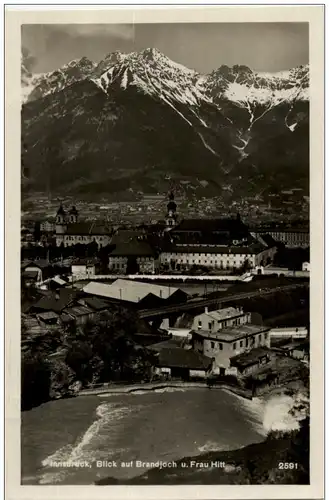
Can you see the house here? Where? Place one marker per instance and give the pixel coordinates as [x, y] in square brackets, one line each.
[136, 293]
[306, 266]
[83, 268]
[177, 362]
[94, 303]
[79, 314]
[252, 361]
[297, 349]
[35, 270]
[48, 318]
[55, 301]
[216, 320]
[224, 344]
[134, 257]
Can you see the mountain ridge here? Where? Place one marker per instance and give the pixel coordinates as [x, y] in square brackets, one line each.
[232, 117]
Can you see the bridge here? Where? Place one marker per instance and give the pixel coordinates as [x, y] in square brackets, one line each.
[215, 301]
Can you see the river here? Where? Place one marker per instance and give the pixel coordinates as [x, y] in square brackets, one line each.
[166, 424]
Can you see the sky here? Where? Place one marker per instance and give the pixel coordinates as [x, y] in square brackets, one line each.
[204, 47]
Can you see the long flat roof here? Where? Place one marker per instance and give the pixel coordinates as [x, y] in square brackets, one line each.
[129, 291]
[233, 333]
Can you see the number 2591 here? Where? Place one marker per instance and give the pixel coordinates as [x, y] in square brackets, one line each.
[287, 465]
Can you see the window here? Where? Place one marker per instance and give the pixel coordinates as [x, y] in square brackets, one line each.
[212, 345]
[234, 346]
[241, 343]
[209, 325]
[220, 346]
[200, 322]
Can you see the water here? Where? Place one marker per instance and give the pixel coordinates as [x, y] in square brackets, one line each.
[147, 426]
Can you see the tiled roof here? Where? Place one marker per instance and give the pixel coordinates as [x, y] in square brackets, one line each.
[250, 358]
[88, 228]
[233, 333]
[56, 301]
[214, 225]
[77, 311]
[133, 248]
[94, 303]
[222, 314]
[47, 315]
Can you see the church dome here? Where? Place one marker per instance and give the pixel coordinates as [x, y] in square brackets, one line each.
[61, 210]
[172, 206]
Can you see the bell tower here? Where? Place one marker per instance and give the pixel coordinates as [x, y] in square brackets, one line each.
[73, 215]
[171, 217]
[61, 220]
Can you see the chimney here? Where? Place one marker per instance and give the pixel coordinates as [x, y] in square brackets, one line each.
[206, 310]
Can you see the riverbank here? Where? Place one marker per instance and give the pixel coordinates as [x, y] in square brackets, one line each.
[153, 386]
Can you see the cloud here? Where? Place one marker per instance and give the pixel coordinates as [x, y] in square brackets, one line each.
[28, 60]
[123, 31]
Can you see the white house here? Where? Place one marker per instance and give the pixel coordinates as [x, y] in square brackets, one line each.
[222, 318]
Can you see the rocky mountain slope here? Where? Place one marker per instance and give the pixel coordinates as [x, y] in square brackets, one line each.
[137, 120]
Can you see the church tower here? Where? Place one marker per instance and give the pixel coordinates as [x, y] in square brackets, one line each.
[73, 215]
[61, 220]
[171, 217]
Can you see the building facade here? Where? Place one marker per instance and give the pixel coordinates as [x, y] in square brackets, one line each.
[183, 257]
[224, 344]
[222, 318]
[132, 258]
[69, 231]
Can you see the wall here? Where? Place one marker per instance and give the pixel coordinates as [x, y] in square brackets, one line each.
[297, 333]
[223, 351]
[205, 319]
[37, 269]
[217, 261]
[197, 373]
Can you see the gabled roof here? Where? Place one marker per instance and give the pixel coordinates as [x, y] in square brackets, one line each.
[133, 248]
[94, 303]
[129, 291]
[56, 301]
[213, 225]
[88, 228]
[249, 358]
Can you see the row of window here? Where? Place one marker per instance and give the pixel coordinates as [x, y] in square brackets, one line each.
[229, 322]
[206, 255]
[248, 342]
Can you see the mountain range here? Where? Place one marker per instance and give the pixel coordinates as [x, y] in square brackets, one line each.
[140, 122]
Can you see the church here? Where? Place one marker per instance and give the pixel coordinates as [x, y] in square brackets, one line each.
[70, 231]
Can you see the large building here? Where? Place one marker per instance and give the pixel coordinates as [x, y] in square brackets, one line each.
[214, 243]
[135, 257]
[136, 293]
[292, 237]
[69, 231]
[228, 342]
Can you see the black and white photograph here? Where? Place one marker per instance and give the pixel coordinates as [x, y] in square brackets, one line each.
[165, 253]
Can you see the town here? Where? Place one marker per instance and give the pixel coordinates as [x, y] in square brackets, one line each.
[180, 301]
